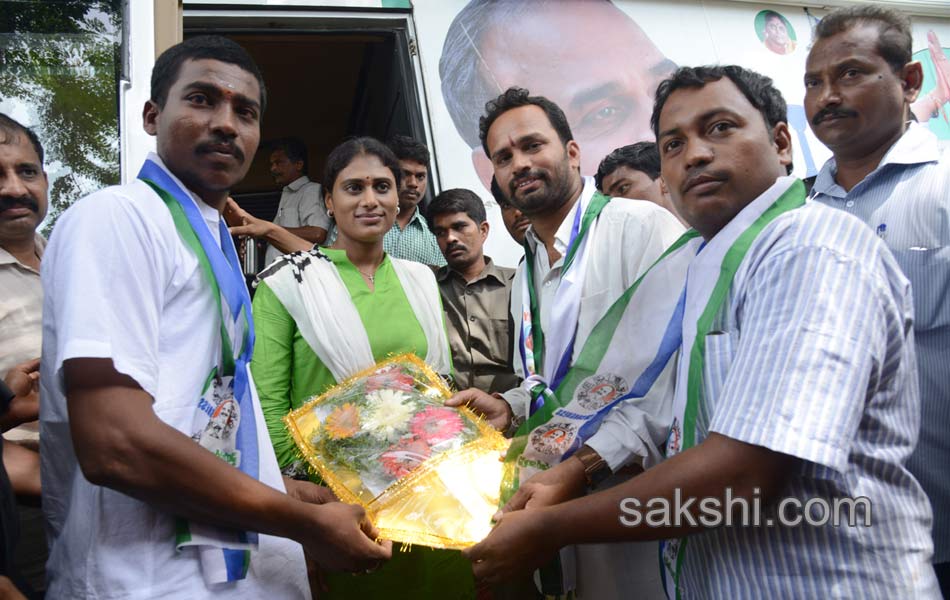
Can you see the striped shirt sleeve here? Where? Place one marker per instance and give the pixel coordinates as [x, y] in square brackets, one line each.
[813, 330]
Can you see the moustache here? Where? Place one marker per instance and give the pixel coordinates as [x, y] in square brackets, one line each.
[452, 248]
[7, 202]
[532, 174]
[827, 113]
[220, 145]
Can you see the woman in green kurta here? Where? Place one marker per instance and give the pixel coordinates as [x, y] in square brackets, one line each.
[360, 184]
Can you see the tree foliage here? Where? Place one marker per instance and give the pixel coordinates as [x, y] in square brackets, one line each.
[61, 59]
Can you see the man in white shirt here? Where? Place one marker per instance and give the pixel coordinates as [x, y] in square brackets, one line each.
[302, 211]
[584, 252]
[137, 336]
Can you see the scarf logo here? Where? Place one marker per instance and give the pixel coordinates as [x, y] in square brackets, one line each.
[553, 439]
[601, 389]
[219, 434]
[675, 438]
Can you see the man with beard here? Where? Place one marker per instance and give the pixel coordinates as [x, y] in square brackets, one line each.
[147, 333]
[23, 204]
[795, 391]
[892, 174]
[475, 294]
[410, 238]
[584, 253]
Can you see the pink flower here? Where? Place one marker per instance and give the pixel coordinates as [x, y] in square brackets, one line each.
[390, 378]
[436, 424]
[404, 456]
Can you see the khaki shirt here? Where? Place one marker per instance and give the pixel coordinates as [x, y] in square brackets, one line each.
[21, 323]
[21, 309]
[480, 327]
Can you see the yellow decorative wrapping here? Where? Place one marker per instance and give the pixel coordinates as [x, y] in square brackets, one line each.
[447, 501]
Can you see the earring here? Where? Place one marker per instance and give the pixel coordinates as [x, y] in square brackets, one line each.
[398, 208]
[330, 212]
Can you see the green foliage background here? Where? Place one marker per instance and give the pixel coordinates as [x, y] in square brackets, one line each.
[62, 59]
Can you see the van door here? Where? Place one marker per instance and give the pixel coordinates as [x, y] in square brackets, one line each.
[330, 74]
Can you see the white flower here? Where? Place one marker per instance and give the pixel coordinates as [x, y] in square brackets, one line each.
[387, 414]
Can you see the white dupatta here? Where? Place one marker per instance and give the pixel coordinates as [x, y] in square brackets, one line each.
[310, 288]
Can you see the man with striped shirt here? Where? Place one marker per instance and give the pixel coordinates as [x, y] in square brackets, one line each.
[893, 175]
[797, 379]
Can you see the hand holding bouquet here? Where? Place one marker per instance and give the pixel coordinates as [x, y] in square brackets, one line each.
[425, 473]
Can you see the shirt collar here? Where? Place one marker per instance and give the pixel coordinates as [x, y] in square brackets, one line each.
[416, 218]
[298, 183]
[209, 213]
[39, 244]
[490, 270]
[916, 146]
[562, 237]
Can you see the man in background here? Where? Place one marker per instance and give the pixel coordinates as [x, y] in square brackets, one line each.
[515, 221]
[302, 211]
[23, 205]
[475, 294]
[860, 81]
[410, 238]
[634, 172]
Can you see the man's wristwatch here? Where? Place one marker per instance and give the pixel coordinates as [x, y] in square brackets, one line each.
[595, 467]
[515, 421]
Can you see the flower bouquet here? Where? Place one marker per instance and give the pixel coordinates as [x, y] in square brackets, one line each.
[425, 473]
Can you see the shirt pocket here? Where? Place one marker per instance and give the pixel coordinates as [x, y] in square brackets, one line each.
[499, 343]
[929, 274]
[719, 355]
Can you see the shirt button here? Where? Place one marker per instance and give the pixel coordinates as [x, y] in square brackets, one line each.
[472, 318]
[849, 203]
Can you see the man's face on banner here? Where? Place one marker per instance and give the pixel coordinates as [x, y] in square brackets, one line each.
[591, 60]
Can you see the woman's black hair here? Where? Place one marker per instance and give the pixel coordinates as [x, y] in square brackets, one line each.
[343, 155]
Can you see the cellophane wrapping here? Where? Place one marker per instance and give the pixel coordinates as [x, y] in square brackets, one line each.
[425, 473]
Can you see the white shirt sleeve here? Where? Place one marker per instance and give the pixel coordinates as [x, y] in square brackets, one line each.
[313, 210]
[638, 427]
[106, 272]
